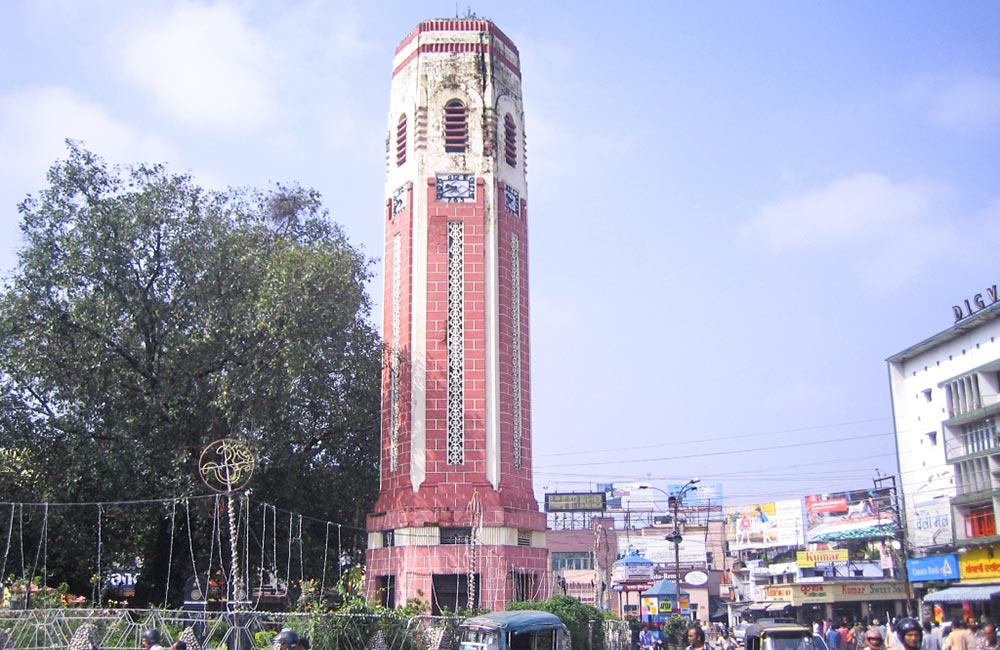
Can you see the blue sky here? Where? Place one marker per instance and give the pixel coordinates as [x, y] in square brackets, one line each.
[738, 210]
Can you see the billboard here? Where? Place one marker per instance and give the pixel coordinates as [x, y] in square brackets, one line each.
[574, 502]
[931, 522]
[707, 495]
[860, 514]
[764, 525]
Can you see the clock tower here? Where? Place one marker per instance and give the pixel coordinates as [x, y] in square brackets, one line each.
[456, 522]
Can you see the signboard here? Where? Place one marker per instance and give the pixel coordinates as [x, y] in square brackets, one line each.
[650, 606]
[123, 580]
[812, 558]
[937, 567]
[861, 514]
[978, 565]
[764, 525]
[575, 502]
[622, 572]
[707, 495]
[696, 578]
[661, 551]
[931, 521]
[837, 592]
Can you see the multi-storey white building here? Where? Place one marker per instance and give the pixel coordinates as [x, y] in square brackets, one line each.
[946, 399]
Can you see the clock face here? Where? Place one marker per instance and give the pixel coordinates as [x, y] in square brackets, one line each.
[456, 188]
[511, 200]
[399, 200]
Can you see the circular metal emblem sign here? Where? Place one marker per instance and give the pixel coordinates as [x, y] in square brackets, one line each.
[226, 465]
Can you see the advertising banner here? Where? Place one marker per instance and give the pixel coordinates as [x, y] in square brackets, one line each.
[931, 523]
[707, 495]
[764, 525]
[661, 551]
[937, 567]
[861, 514]
[978, 565]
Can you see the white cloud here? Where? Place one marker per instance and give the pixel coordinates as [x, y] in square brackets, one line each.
[852, 210]
[34, 123]
[883, 233]
[970, 104]
[203, 66]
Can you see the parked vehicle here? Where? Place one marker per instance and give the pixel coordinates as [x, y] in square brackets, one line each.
[740, 633]
[779, 636]
[517, 630]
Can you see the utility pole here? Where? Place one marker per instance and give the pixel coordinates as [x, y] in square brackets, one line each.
[899, 534]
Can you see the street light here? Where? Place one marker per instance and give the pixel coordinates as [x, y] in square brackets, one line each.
[675, 537]
[674, 502]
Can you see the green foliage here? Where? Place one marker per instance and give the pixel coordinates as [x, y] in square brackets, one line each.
[147, 317]
[675, 629]
[575, 615]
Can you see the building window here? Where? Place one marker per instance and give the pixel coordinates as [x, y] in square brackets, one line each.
[524, 538]
[978, 437]
[455, 536]
[401, 140]
[510, 140]
[972, 476]
[575, 560]
[456, 127]
[388, 538]
[963, 395]
[932, 438]
[980, 522]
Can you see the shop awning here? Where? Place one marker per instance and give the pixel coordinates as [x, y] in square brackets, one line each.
[965, 592]
[778, 607]
[758, 607]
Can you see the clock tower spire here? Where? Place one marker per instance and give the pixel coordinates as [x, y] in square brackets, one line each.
[456, 521]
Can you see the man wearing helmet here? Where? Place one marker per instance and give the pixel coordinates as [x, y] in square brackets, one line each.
[286, 640]
[910, 633]
[151, 640]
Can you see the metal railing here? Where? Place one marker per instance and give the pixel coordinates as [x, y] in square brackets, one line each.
[121, 629]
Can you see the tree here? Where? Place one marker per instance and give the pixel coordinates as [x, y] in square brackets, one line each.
[147, 317]
[584, 622]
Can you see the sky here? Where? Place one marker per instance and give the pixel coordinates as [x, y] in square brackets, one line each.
[739, 210]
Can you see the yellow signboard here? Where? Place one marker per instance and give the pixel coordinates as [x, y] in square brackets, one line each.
[809, 559]
[837, 592]
[978, 565]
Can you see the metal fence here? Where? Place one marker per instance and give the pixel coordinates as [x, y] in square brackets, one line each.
[121, 629]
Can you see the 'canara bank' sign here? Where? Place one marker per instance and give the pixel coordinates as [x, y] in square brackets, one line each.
[936, 567]
[837, 592]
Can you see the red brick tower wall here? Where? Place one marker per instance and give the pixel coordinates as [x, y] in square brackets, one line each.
[424, 492]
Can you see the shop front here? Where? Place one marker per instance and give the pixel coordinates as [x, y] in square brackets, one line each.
[976, 595]
[846, 599]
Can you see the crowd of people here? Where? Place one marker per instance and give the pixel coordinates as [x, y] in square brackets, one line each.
[902, 634]
[958, 635]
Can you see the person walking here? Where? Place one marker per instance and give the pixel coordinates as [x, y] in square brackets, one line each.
[988, 640]
[874, 640]
[833, 636]
[696, 639]
[930, 640]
